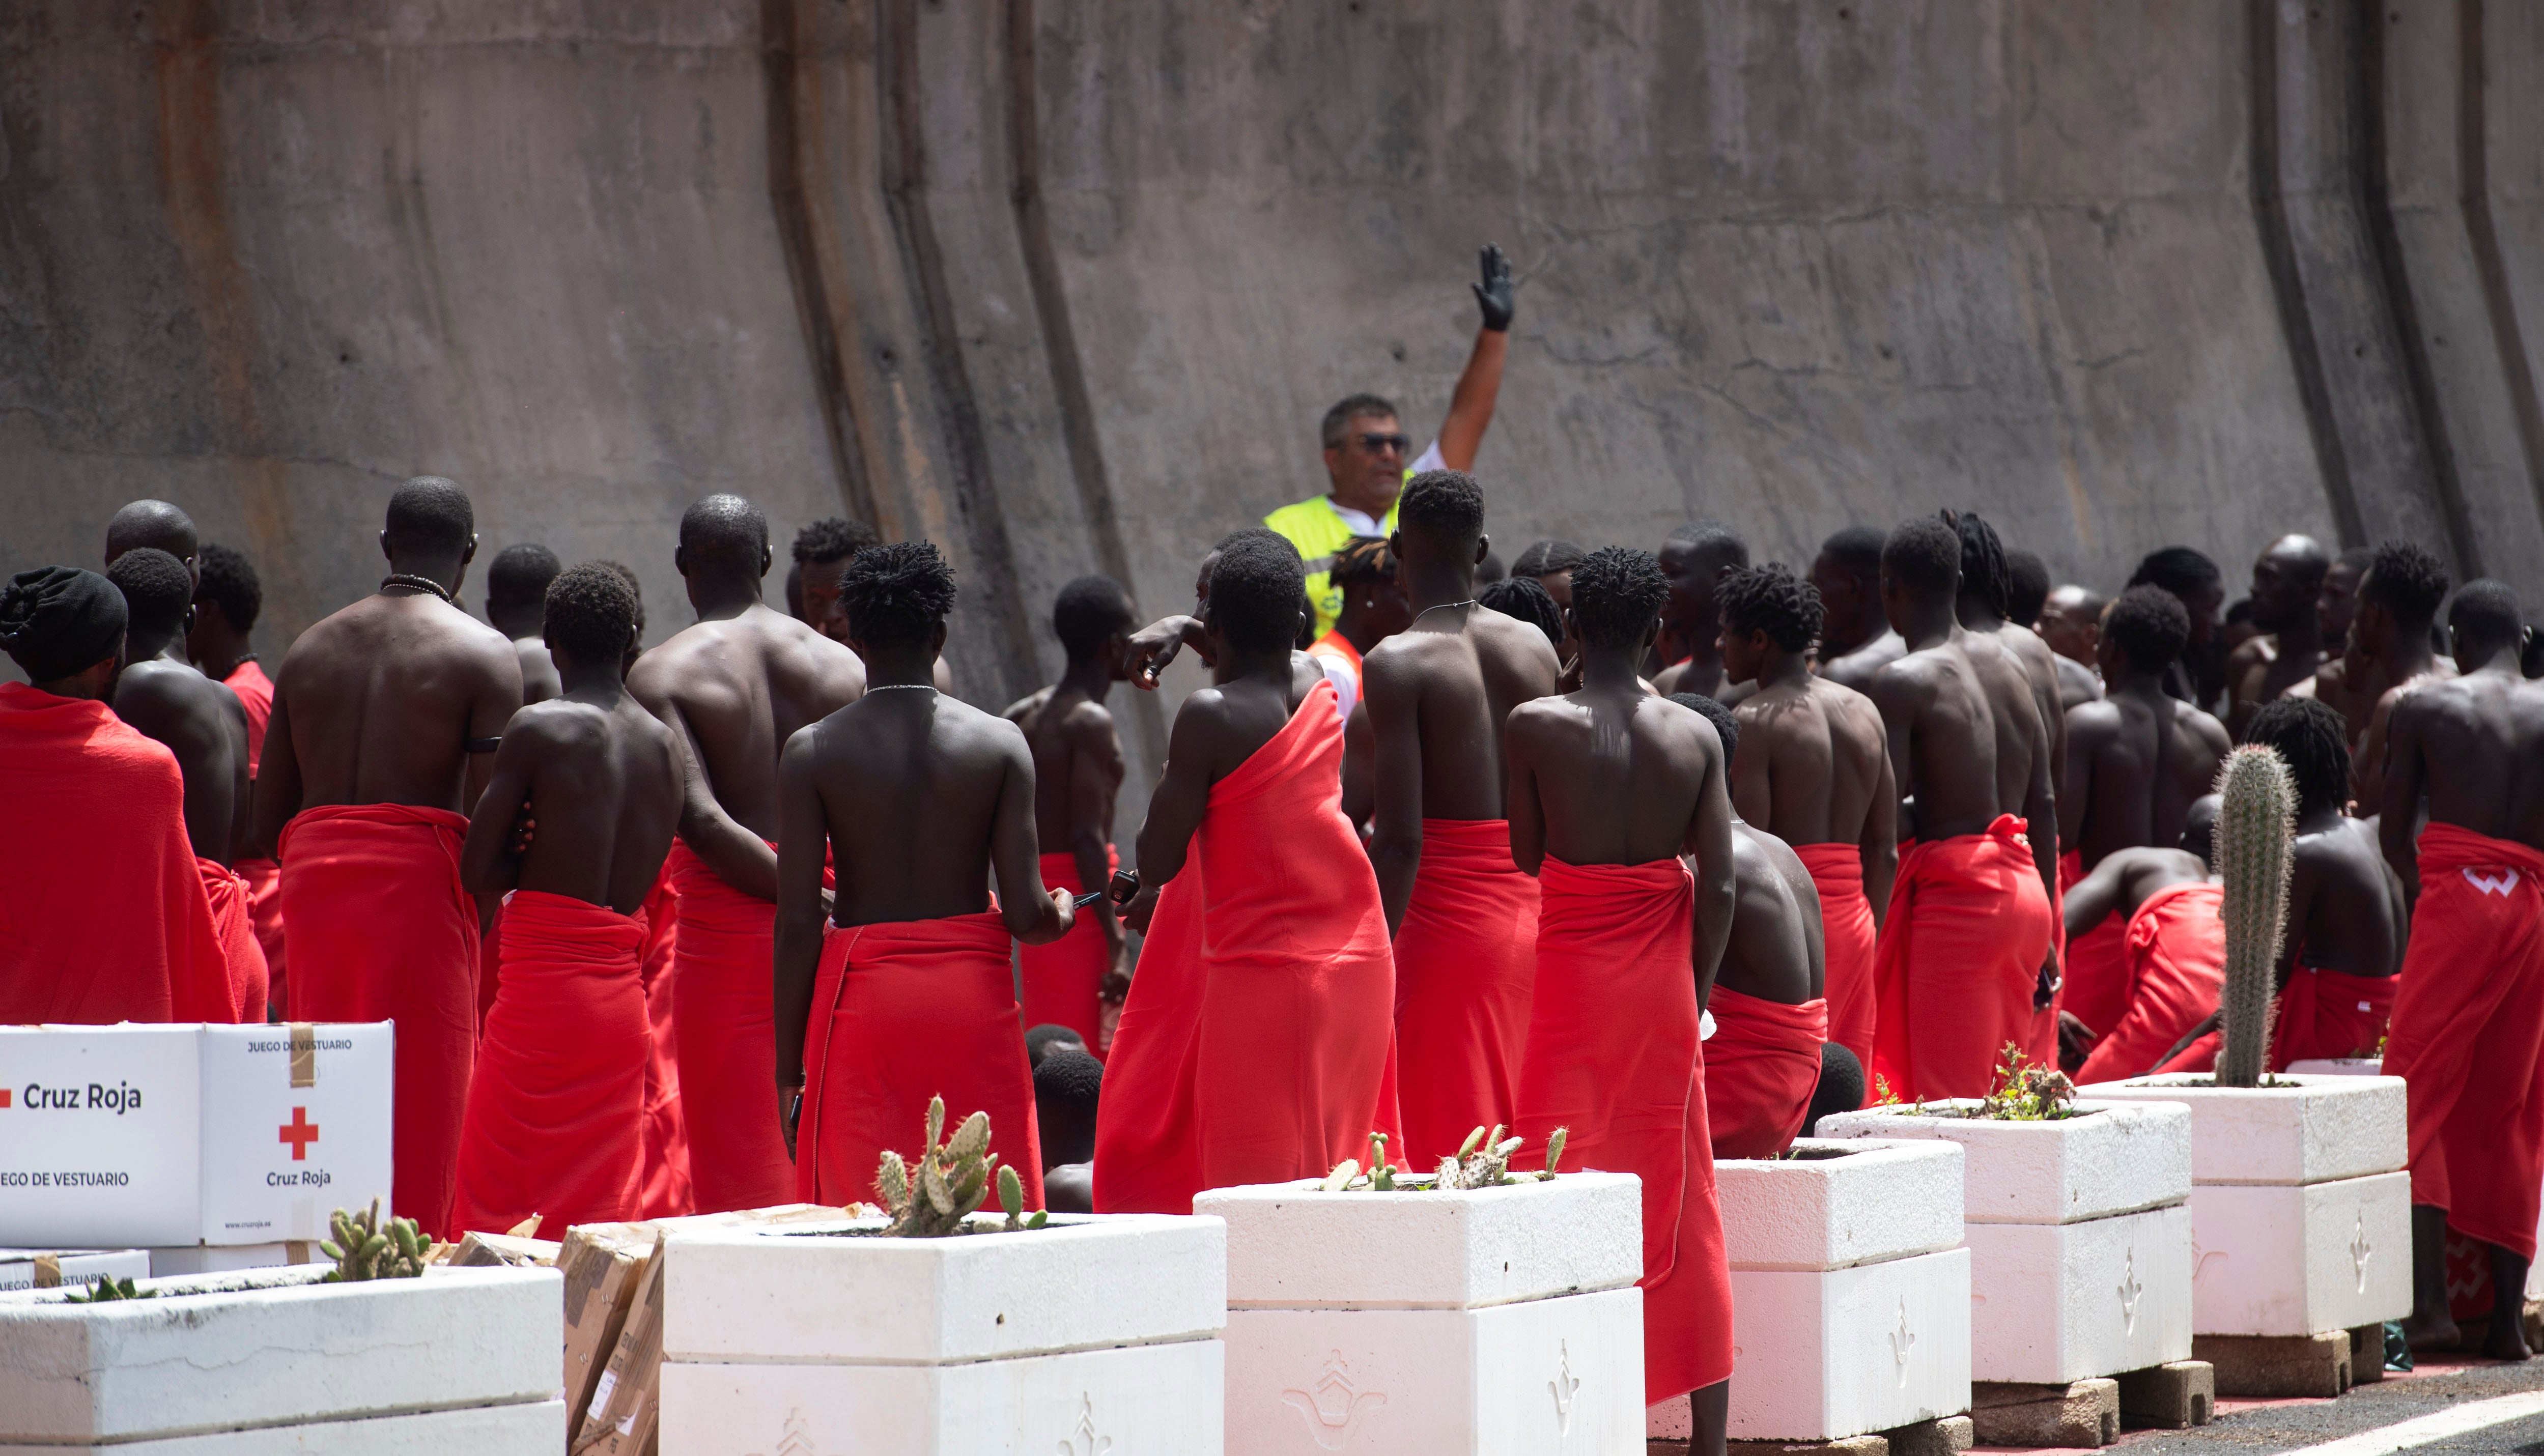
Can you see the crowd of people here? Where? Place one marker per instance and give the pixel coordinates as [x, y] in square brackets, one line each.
[1671, 850]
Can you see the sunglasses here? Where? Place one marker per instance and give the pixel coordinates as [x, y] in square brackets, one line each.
[1379, 445]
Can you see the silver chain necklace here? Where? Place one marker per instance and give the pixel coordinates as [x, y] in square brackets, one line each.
[888, 687]
[1446, 606]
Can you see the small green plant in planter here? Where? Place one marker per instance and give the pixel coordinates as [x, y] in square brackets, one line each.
[1482, 1162]
[2027, 1092]
[106, 1289]
[952, 1181]
[363, 1249]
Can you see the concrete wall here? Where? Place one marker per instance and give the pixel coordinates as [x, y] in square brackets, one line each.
[1066, 285]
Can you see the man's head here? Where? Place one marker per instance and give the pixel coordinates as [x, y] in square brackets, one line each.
[64, 629]
[2313, 739]
[2142, 633]
[2287, 579]
[588, 621]
[228, 598]
[516, 583]
[1365, 453]
[2398, 599]
[2026, 587]
[1440, 523]
[2194, 582]
[1551, 563]
[1987, 581]
[1726, 727]
[1840, 1089]
[1616, 598]
[155, 524]
[2071, 622]
[1068, 1083]
[1695, 557]
[1375, 605]
[1049, 1036]
[822, 553]
[432, 530]
[158, 599]
[1764, 609]
[895, 598]
[1847, 578]
[1921, 569]
[2484, 621]
[2336, 605]
[2200, 827]
[1255, 589]
[1093, 618]
[636, 590]
[724, 546]
[1522, 598]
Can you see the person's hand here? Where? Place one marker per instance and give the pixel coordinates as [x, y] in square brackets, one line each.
[2075, 1042]
[791, 1111]
[1116, 985]
[2045, 986]
[1065, 905]
[1496, 295]
[1151, 649]
[1143, 905]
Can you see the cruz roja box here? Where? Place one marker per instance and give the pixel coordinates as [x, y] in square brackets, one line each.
[172, 1135]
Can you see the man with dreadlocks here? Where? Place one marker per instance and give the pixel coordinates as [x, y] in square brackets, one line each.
[731, 688]
[1374, 610]
[2469, 1020]
[2397, 601]
[1814, 772]
[904, 995]
[386, 718]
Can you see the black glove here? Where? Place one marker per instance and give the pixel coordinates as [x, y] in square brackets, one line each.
[1496, 295]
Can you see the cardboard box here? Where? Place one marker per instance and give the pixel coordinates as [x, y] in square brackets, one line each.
[487, 1251]
[163, 1136]
[226, 1259]
[69, 1269]
[620, 1416]
[603, 1264]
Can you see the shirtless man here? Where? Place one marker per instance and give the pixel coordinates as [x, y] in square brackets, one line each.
[2469, 1015]
[1695, 557]
[920, 800]
[733, 689]
[1609, 786]
[387, 717]
[1856, 639]
[204, 724]
[2194, 580]
[2287, 580]
[2137, 759]
[1077, 775]
[517, 592]
[1462, 917]
[1817, 776]
[1986, 608]
[2071, 622]
[156, 524]
[2397, 601]
[555, 1122]
[2334, 609]
[2169, 981]
[1964, 955]
[1770, 1013]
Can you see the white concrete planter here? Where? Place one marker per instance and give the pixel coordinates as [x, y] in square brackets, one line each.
[1492, 1321]
[1094, 1334]
[461, 1359]
[1850, 1296]
[2078, 1234]
[2300, 1209]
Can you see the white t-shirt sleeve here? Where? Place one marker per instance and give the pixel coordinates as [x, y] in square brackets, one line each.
[1429, 459]
[1347, 686]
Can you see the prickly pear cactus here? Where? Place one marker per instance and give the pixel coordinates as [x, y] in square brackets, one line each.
[364, 1249]
[952, 1181]
[2256, 832]
[1483, 1162]
[105, 1290]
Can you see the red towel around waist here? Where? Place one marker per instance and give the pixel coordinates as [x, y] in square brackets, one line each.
[235, 926]
[1613, 1057]
[1465, 958]
[556, 1105]
[1148, 1157]
[2330, 1015]
[1847, 934]
[904, 1012]
[2175, 950]
[724, 1033]
[664, 1191]
[2468, 1035]
[381, 931]
[1959, 954]
[1761, 1066]
[1064, 980]
[265, 910]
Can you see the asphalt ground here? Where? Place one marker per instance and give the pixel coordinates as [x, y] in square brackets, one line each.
[2251, 1428]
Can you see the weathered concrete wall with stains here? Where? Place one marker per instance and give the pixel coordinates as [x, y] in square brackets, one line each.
[1066, 285]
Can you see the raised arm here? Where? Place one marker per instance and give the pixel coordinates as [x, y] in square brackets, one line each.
[1034, 914]
[1479, 384]
[1154, 646]
[803, 840]
[1394, 699]
[2404, 777]
[1709, 839]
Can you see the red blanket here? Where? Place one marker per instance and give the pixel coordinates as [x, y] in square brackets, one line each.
[1959, 954]
[227, 893]
[265, 911]
[725, 1037]
[1148, 1157]
[664, 1193]
[255, 694]
[490, 967]
[554, 1109]
[2040, 1042]
[1846, 932]
[2176, 960]
[1062, 981]
[2468, 1035]
[1761, 1067]
[1464, 960]
[384, 932]
[102, 916]
[1613, 1055]
[2326, 1015]
[1296, 1039]
[905, 1012]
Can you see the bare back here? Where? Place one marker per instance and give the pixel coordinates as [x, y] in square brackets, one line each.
[377, 704]
[2475, 746]
[204, 724]
[604, 782]
[736, 689]
[1817, 765]
[923, 797]
[1855, 668]
[1077, 763]
[1438, 693]
[1776, 953]
[1965, 737]
[2136, 761]
[1614, 779]
[2342, 913]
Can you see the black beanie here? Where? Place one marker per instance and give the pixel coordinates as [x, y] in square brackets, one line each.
[56, 621]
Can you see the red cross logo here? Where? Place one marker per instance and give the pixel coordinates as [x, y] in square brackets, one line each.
[300, 1132]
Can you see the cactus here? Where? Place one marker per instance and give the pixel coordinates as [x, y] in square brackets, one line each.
[366, 1250]
[107, 1289]
[953, 1180]
[1554, 1150]
[1482, 1162]
[1382, 1174]
[1011, 1198]
[2256, 829]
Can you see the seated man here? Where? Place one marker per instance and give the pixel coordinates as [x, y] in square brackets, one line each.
[1068, 1084]
[1610, 787]
[1769, 1017]
[2173, 959]
[555, 1120]
[920, 798]
[105, 911]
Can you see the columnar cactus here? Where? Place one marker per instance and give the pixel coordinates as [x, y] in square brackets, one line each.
[953, 1180]
[364, 1249]
[2256, 832]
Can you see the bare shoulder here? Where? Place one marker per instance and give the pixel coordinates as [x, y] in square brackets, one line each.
[1512, 640]
[1086, 721]
[1023, 710]
[2251, 652]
